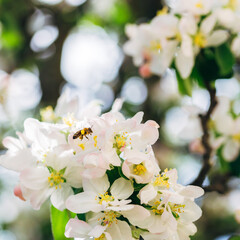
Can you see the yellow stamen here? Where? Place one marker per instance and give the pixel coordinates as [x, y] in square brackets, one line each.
[158, 208]
[105, 197]
[232, 4]
[95, 141]
[139, 169]
[236, 137]
[47, 114]
[55, 179]
[176, 209]
[161, 180]
[163, 11]
[69, 120]
[109, 218]
[155, 45]
[82, 146]
[199, 5]
[200, 40]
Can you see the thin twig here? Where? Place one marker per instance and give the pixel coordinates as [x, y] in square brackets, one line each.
[205, 138]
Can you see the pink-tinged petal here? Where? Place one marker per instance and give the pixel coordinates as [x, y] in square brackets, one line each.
[35, 178]
[191, 191]
[13, 144]
[147, 194]
[126, 170]
[121, 230]
[77, 229]
[37, 198]
[136, 214]
[18, 192]
[117, 105]
[83, 202]
[121, 189]
[138, 117]
[91, 173]
[152, 123]
[150, 134]
[18, 161]
[98, 185]
[145, 71]
[59, 196]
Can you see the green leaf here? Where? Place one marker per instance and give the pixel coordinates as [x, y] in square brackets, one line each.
[235, 167]
[184, 85]
[234, 238]
[225, 59]
[59, 220]
[207, 66]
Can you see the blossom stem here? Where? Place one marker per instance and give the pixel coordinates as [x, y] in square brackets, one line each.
[205, 138]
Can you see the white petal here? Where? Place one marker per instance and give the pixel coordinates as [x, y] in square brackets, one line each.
[121, 189]
[76, 228]
[136, 214]
[83, 202]
[147, 194]
[230, 150]
[59, 196]
[35, 178]
[98, 185]
[184, 64]
[208, 24]
[37, 198]
[121, 230]
[18, 161]
[97, 231]
[217, 38]
[191, 191]
[192, 211]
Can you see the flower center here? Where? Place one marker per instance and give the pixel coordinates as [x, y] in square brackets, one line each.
[47, 114]
[199, 5]
[105, 198]
[161, 180]
[200, 40]
[176, 209]
[232, 4]
[139, 169]
[120, 142]
[69, 120]
[158, 208]
[156, 45]
[55, 179]
[236, 137]
[109, 218]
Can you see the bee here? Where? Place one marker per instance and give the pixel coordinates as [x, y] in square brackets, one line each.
[83, 133]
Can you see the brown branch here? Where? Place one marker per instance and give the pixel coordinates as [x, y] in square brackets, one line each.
[205, 138]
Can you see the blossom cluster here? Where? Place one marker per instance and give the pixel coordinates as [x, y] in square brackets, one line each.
[102, 167]
[175, 37]
[224, 128]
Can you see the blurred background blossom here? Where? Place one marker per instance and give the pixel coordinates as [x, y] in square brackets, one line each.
[74, 47]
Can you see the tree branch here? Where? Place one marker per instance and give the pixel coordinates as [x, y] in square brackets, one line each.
[205, 138]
